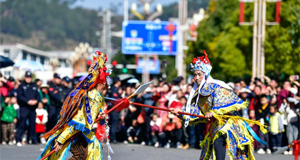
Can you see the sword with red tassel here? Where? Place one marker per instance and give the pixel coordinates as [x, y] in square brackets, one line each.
[122, 104]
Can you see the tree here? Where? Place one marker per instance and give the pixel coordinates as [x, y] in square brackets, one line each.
[55, 18]
[229, 45]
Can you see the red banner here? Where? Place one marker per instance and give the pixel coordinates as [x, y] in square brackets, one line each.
[242, 6]
[277, 16]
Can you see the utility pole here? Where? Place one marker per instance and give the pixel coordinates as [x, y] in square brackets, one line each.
[263, 31]
[254, 51]
[180, 57]
[125, 10]
[259, 29]
[106, 35]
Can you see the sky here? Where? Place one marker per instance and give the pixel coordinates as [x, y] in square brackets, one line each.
[95, 4]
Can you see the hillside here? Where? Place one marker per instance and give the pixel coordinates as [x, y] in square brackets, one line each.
[54, 25]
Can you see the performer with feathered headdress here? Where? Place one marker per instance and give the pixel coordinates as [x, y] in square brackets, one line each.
[77, 116]
[217, 101]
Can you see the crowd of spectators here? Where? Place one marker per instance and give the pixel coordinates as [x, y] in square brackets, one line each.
[29, 109]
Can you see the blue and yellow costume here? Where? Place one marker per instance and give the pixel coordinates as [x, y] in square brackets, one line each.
[79, 123]
[218, 98]
[79, 112]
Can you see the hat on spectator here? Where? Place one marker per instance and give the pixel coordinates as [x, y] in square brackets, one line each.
[115, 80]
[170, 115]
[294, 91]
[67, 79]
[161, 79]
[292, 100]
[148, 89]
[175, 88]
[245, 90]
[11, 79]
[44, 85]
[177, 80]
[28, 74]
[56, 75]
[230, 84]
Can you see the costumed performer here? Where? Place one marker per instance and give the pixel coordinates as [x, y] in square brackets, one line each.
[78, 114]
[217, 101]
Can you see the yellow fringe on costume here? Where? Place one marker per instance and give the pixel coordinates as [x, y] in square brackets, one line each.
[222, 119]
[78, 124]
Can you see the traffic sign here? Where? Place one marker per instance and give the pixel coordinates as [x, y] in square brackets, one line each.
[153, 66]
[149, 37]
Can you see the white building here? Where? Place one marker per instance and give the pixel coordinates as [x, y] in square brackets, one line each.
[18, 52]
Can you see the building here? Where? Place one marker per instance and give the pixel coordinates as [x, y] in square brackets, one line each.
[54, 61]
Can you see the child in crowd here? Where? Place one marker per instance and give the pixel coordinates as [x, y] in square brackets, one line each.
[176, 104]
[276, 127]
[8, 118]
[133, 132]
[172, 130]
[262, 114]
[254, 127]
[185, 142]
[41, 120]
[155, 124]
[17, 108]
[121, 133]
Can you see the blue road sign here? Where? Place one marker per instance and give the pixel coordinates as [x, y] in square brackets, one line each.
[153, 66]
[149, 37]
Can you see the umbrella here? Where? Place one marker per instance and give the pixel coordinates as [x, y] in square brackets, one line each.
[125, 76]
[29, 65]
[5, 62]
[133, 80]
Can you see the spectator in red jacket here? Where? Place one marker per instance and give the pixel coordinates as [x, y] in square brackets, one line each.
[284, 93]
[255, 98]
[5, 86]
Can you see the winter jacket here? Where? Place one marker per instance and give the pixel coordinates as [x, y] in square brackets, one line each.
[9, 113]
[6, 88]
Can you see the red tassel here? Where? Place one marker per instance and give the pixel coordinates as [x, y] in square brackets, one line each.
[207, 129]
[296, 149]
[124, 105]
[100, 132]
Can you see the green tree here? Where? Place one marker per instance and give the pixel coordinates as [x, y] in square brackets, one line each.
[55, 18]
[229, 45]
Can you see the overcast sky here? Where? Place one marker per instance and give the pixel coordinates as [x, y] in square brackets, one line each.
[95, 4]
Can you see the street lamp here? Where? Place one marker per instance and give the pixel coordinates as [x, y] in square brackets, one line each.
[135, 12]
[159, 11]
[159, 7]
[146, 7]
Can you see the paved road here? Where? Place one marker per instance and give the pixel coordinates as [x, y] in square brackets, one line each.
[123, 152]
